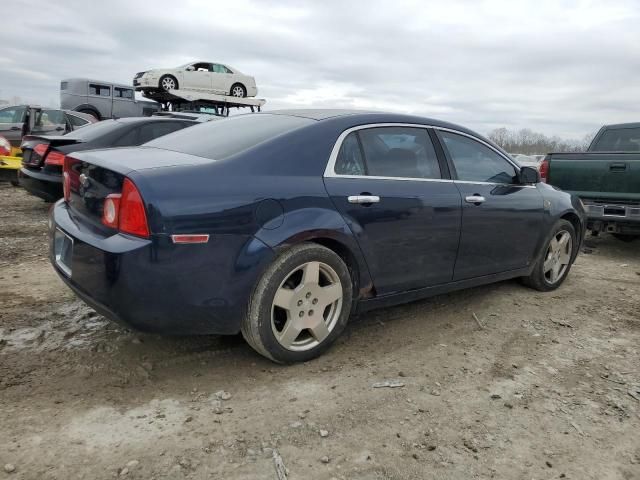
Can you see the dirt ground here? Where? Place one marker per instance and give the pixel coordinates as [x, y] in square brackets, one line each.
[548, 387]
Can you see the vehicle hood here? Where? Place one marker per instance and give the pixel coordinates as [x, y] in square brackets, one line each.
[130, 159]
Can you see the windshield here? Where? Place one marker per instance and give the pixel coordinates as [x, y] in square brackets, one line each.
[223, 138]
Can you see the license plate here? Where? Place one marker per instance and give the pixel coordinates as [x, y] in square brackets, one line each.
[63, 251]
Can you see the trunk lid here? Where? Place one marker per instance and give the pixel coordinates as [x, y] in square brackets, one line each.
[94, 174]
[33, 159]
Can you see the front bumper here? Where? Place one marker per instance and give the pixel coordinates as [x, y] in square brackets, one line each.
[145, 83]
[43, 185]
[154, 285]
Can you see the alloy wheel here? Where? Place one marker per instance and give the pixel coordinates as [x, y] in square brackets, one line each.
[307, 306]
[237, 91]
[558, 256]
[168, 83]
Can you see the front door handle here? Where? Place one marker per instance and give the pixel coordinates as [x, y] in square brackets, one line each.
[363, 199]
[475, 199]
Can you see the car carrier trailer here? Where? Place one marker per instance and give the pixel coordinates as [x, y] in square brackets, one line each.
[187, 99]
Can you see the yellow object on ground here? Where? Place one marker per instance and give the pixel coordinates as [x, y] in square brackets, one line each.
[12, 162]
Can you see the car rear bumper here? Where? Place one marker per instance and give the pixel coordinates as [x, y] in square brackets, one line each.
[613, 217]
[154, 285]
[44, 185]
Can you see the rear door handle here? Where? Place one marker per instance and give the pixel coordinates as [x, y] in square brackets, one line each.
[363, 199]
[618, 167]
[477, 199]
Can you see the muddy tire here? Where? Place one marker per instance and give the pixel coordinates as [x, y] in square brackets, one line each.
[557, 256]
[300, 305]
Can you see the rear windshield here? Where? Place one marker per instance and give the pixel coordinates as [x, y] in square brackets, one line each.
[618, 140]
[221, 139]
[95, 130]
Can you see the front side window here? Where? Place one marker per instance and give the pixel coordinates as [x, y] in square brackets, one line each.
[12, 114]
[99, 90]
[202, 67]
[405, 152]
[475, 162]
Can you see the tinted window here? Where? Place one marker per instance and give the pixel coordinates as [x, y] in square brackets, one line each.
[100, 90]
[399, 152]
[475, 162]
[95, 130]
[123, 93]
[224, 138]
[350, 161]
[64, 85]
[619, 140]
[202, 67]
[12, 114]
[153, 130]
[76, 121]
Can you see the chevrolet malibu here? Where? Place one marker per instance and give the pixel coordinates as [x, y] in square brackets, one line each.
[282, 225]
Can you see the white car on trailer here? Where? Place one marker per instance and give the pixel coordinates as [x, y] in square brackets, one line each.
[209, 77]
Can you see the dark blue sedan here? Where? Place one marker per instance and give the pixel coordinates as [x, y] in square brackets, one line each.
[281, 225]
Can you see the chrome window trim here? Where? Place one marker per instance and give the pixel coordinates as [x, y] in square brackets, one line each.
[329, 171]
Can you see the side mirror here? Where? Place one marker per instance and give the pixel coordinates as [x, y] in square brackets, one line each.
[529, 175]
[190, 68]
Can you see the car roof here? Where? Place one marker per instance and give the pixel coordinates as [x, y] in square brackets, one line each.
[152, 118]
[623, 125]
[360, 117]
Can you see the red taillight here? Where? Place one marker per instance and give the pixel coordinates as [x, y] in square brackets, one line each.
[41, 149]
[125, 211]
[55, 158]
[5, 147]
[544, 170]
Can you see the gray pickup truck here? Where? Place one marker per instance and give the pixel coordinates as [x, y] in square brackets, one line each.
[606, 178]
[103, 99]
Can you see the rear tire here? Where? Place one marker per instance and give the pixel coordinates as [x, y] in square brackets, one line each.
[555, 260]
[300, 305]
[238, 90]
[625, 237]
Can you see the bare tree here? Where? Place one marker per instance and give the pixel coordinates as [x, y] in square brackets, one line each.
[528, 142]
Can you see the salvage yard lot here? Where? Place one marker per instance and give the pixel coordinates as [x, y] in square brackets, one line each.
[544, 385]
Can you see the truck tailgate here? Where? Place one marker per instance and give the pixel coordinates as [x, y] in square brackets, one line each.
[598, 175]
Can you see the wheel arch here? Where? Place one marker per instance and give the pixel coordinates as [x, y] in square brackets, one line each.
[88, 108]
[574, 220]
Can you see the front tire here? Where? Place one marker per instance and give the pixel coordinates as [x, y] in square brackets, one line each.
[300, 305]
[554, 263]
[168, 82]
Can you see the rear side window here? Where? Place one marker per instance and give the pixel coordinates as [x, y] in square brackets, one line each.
[475, 162]
[401, 152]
[123, 93]
[47, 118]
[618, 140]
[224, 138]
[64, 85]
[99, 90]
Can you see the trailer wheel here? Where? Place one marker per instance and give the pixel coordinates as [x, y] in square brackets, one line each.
[168, 82]
[238, 90]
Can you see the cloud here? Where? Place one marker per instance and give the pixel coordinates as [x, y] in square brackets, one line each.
[557, 67]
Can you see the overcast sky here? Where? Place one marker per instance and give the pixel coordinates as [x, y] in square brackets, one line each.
[559, 67]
